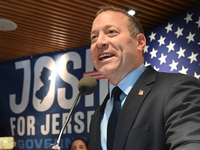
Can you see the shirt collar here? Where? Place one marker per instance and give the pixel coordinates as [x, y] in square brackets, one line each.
[128, 82]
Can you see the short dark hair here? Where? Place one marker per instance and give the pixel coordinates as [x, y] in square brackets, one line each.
[134, 25]
[82, 139]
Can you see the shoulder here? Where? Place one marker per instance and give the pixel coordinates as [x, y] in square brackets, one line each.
[166, 76]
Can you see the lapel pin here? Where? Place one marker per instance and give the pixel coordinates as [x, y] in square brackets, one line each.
[141, 92]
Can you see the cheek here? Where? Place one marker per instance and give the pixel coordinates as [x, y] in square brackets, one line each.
[93, 57]
[92, 53]
[129, 54]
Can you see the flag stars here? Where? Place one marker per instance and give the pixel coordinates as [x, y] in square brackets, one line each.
[183, 70]
[190, 37]
[146, 49]
[161, 40]
[175, 46]
[169, 27]
[198, 22]
[153, 53]
[157, 69]
[171, 46]
[173, 65]
[188, 18]
[181, 52]
[193, 57]
[147, 64]
[179, 32]
[152, 36]
[162, 59]
[196, 75]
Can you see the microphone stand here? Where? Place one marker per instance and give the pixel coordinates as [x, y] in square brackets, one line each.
[56, 145]
[86, 86]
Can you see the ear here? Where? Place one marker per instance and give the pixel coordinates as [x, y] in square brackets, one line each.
[141, 41]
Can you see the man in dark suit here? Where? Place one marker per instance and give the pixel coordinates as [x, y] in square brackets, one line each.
[159, 111]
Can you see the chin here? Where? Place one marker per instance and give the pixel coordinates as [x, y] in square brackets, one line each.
[106, 70]
[105, 73]
[102, 72]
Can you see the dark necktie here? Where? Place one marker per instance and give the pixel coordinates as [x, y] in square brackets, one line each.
[112, 122]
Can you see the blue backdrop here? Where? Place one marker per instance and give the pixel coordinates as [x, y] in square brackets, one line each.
[38, 92]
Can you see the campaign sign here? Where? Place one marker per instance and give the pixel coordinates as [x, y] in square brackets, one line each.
[37, 93]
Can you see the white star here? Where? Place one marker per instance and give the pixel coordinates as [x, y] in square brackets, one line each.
[198, 43]
[173, 65]
[161, 40]
[193, 57]
[162, 58]
[188, 18]
[146, 49]
[181, 52]
[152, 36]
[198, 22]
[147, 64]
[171, 46]
[179, 32]
[196, 75]
[190, 37]
[153, 53]
[183, 70]
[169, 27]
[157, 69]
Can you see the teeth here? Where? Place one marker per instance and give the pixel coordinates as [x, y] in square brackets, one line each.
[105, 55]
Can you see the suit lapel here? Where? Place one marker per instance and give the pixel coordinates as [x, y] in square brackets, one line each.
[128, 115]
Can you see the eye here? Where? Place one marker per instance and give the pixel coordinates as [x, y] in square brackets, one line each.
[112, 32]
[93, 37]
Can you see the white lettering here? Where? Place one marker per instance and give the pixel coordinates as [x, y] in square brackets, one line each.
[55, 123]
[89, 99]
[12, 125]
[74, 57]
[79, 128]
[21, 126]
[30, 125]
[19, 108]
[44, 83]
[46, 128]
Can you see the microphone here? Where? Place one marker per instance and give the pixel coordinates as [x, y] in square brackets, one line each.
[86, 86]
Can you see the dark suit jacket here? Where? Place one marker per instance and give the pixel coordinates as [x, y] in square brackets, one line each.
[165, 117]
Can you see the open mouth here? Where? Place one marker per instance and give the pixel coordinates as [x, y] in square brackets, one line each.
[105, 56]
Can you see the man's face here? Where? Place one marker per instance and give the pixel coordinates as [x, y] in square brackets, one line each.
[113, 50]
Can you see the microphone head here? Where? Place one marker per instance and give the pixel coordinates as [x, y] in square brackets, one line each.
[87, 85]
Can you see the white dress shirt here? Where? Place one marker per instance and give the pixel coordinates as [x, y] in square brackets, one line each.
[125, 85]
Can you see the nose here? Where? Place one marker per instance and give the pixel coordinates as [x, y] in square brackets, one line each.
[102, 42]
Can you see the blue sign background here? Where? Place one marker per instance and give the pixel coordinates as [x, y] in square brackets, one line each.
[37, 94]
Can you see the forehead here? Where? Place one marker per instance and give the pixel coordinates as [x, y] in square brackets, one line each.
[78, 142]
[110, 18]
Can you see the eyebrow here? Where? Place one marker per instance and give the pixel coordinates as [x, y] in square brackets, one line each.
[93, 32]
[106, 27]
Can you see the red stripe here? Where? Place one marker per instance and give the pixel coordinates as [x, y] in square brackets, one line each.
[101, 78]
[90, 72]
[94, 74]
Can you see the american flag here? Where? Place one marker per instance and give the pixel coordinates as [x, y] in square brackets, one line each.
[175, 45]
